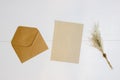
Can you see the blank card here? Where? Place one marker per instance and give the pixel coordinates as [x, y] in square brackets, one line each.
[67, 41]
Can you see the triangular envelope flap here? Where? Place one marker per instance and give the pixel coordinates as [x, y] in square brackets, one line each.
[24, 36]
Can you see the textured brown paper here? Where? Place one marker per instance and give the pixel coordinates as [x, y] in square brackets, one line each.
[67, 41]
[27, 43]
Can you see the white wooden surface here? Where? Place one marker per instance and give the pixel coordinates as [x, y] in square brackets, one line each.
[43, 13]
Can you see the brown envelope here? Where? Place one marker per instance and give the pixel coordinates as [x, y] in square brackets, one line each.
[27, 43]
[67, 41]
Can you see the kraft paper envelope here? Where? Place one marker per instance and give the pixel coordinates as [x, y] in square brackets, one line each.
[67, 42]
[28, 42]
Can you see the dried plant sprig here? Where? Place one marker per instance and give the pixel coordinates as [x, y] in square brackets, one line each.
[97, 43]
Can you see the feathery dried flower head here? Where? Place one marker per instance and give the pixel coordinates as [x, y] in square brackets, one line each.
[96, 38]
[97, 42]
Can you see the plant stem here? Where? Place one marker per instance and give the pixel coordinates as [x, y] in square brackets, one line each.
[105, 56]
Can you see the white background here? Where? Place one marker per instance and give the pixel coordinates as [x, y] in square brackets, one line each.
[42, 14]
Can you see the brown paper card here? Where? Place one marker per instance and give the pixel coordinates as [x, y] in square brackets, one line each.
[27, 43]
[67, 41]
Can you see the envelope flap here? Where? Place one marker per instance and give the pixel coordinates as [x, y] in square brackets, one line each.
[24, 36]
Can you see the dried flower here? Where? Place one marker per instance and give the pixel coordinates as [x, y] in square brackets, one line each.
[97, 43]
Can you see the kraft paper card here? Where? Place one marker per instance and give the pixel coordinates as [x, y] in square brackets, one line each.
[67, 42]
[28, 42]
